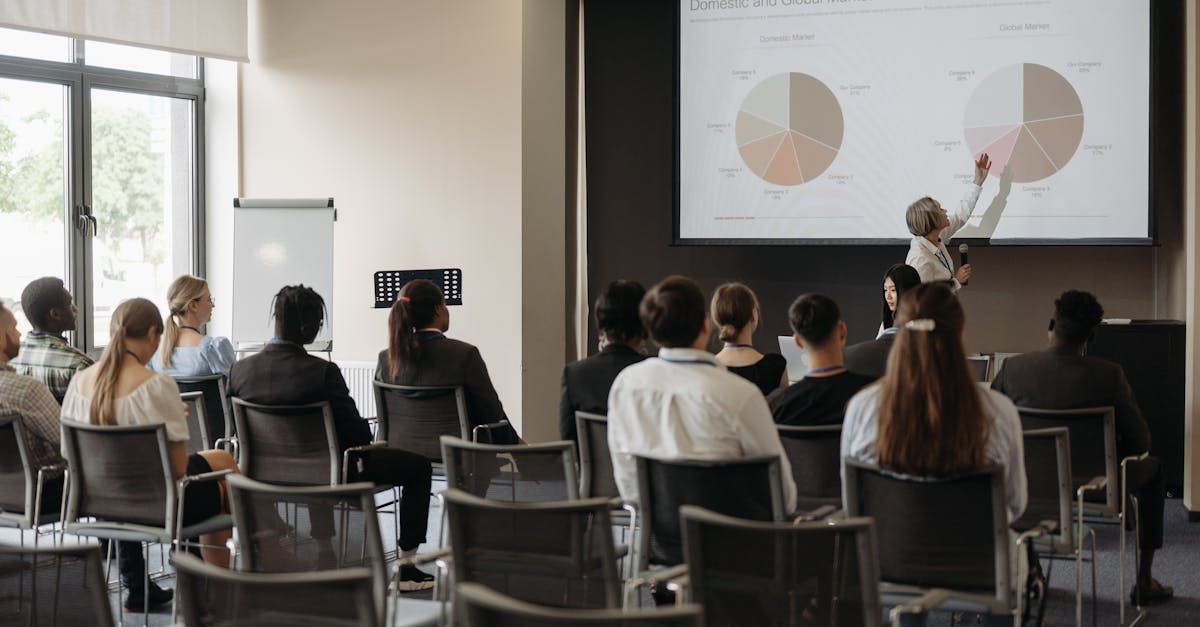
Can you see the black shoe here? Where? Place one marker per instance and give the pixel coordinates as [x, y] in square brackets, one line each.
[413, 579]
[1154, 593]
[159, 597]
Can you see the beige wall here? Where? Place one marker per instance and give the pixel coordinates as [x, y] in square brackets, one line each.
[409, 114]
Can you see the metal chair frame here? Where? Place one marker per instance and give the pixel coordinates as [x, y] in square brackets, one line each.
[472, 594]
[172, 532]
[868, 564]
[31, 517]
[188, 567]
[623, 514]
[229, 442]
[1001, 601]
[1112, 483]
[564, 448]
[362, 491]
[808, 433]
[102, 611]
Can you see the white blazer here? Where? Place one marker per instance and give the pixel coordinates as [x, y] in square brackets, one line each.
[934, 263]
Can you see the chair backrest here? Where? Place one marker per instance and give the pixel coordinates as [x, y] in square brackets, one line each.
[558, 554]
[199, 438]
[217, 596]
[119, 474]
[53, 586]
[217, 411]
[287, 444]
[979, 366]
[936, 533]
[595, 458]
[413, 417]
[523, 473]
[816, 459]
[1048, 476]
[747, 488]
[16, 472]
[1093, 439]
[480, 606]
[746, 572]
[284, 529]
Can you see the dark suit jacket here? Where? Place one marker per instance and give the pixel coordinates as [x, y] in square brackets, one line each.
[1058, 379]
[285, 374]
[446, 361]
[585, 384]
[869, 358]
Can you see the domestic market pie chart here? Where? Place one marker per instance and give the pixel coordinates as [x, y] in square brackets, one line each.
[1027, 118]
[789, 129]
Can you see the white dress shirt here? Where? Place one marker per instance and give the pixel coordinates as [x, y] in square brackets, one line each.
[1005, 448]
[933, 262]
[685, 405]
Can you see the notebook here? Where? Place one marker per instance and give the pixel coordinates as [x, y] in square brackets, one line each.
[797, 365]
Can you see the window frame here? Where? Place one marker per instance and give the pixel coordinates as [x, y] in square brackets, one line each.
[80, 79]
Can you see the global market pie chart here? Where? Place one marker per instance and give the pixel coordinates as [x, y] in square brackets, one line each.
[789, 129]
[1027, 118]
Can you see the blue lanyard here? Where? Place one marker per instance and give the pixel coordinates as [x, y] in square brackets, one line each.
[943, 261]
[688, 361]
[732, 345]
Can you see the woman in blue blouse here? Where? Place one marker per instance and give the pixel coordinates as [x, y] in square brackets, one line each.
[186, 351]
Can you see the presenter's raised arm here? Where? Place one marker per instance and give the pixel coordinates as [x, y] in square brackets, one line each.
[959, 219]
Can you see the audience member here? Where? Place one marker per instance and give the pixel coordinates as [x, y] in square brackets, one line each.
[283, 373]
[28, 398]
[586, 383]
[735, 312]
[683, 404]
[1062, 377]
[186, 351]
[119, 391]
[927, 416]
[820, 397]
[870, 357]
[419, 353]
[45, 354]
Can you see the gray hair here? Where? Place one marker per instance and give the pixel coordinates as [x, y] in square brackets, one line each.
[922, 216]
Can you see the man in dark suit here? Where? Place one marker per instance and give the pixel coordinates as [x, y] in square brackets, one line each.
[585, 383]
[1062, 377]
[285, 374]
[870, 357]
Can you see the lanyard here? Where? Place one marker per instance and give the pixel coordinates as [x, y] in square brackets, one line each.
[944, 262]
[688, 361]
[732, 345]
[826, 369]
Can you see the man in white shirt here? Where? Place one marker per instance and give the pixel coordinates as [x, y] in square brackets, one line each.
[683, 404]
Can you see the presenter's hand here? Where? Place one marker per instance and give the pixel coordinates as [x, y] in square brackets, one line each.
[963, 274]
[982, 165]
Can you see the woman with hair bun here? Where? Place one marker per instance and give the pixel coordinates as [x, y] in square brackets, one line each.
[735, 313]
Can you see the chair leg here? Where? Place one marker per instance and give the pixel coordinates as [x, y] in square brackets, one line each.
[1095, 596]
[145, 548]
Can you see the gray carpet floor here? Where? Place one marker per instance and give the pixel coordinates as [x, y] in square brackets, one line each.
[1178, 564]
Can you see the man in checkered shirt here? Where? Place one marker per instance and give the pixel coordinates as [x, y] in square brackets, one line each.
[45, 355]
[28, 398]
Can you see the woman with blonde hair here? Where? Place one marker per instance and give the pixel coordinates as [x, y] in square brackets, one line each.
[186, 351]
[932, 227]
[118, 390]
[927, 417]
[735, 314]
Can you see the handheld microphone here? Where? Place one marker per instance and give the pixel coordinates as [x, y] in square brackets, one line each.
[962, 258]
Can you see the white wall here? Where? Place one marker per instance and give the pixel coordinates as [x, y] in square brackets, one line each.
[408, 114]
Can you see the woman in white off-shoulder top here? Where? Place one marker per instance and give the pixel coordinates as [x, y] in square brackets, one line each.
[118, 390]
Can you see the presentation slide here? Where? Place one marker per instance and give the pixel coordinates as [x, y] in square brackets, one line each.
[824, 119]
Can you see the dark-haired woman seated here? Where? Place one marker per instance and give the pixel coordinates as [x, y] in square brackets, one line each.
[285, 374]
[419, 353]
[586, 383]
[735, 313]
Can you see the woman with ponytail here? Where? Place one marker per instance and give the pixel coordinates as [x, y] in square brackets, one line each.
[419, 353]
[927, 416]
[120, 391]
[186, 351]
[735, 315]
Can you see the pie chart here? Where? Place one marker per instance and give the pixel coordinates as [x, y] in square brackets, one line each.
[789, 129]
[1027, 118]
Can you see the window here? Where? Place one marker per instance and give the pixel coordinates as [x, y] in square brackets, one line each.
[100, 153]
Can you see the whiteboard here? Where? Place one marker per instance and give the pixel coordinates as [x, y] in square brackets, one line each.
[278, 242]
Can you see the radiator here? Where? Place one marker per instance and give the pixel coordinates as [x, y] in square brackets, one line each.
[359, 375]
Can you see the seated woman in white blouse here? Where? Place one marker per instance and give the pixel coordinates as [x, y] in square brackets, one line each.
[186, 351]
[931, 227]
[927, 416]
[118, 390]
